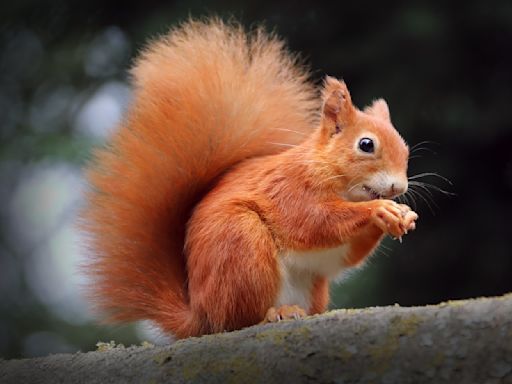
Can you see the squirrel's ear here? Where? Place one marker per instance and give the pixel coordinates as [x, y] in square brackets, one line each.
[337, 110]
[379, 108]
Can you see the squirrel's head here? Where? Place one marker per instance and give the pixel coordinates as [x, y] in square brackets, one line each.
[363, 146]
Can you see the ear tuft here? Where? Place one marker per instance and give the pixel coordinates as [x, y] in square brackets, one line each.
[337, 103]
[379, 108]
[335, 86]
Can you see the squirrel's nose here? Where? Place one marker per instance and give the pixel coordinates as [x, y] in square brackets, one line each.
[397, 189]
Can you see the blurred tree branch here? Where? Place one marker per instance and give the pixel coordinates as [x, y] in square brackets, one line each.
[460, 341]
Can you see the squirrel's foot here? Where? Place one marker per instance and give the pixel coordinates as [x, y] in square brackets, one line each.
[285, 312]
[392, 218]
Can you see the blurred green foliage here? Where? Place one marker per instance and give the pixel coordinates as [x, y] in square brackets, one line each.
[445, 69]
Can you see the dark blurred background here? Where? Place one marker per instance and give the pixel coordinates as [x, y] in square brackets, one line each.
[445, 70]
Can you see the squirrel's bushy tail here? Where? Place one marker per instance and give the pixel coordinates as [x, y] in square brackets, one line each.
[206, 96]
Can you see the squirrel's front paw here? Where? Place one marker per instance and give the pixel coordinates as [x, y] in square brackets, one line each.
[409, 218]
[392, 218]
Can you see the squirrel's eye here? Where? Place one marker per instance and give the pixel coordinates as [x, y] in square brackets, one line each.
[366, 145]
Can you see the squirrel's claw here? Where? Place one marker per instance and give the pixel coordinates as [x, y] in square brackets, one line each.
[285, 312]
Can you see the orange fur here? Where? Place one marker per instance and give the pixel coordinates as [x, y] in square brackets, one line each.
[198, 196]
[320, 296]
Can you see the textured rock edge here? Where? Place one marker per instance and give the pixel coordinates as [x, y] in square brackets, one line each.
[459, 341]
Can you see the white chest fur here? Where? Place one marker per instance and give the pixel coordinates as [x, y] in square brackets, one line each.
[298, 270]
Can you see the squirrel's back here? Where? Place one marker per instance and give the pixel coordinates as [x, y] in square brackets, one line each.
[206, 96]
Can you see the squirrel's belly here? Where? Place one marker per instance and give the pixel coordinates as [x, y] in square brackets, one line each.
[300, 268]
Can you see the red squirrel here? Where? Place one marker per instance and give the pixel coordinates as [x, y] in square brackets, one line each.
[232, 192]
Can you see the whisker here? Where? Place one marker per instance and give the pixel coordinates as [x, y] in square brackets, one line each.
[330, 178]
[313, 162]
[291, 130]
[434, 187]
[402, 199]
[416, 193]
[406, 198]
[425, 174]
[423, 149]
[429, 198]
[354, 186]
[420, 185]
[283, 144]
[414, 196]
[422, 143]
[428, 195]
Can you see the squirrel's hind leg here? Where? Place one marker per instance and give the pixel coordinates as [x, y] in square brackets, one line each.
[232, 268]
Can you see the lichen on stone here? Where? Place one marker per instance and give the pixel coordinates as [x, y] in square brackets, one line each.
[101, 346]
